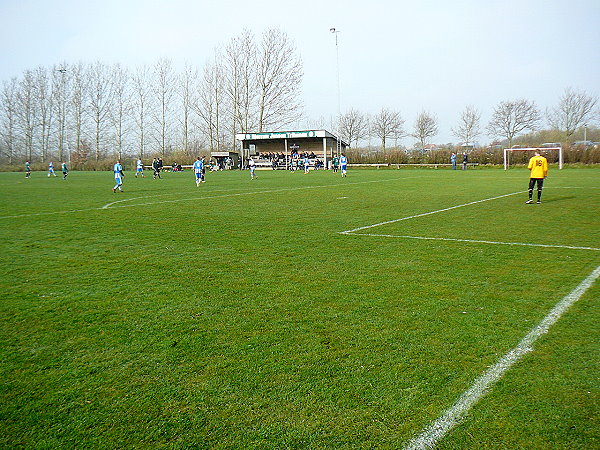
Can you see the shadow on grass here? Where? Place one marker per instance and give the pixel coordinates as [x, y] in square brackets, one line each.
[558, 199]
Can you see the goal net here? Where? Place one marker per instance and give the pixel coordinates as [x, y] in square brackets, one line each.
[543, 150]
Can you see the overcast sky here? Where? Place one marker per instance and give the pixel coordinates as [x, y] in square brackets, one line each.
[432, 55]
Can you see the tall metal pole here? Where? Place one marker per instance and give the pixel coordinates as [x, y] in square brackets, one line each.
[337, 64]
[339, 109]
[62, 71]
[585, 134]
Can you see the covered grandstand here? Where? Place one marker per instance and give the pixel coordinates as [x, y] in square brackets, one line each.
[275, 149]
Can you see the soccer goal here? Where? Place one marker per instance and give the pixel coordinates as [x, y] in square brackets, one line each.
[508, 151]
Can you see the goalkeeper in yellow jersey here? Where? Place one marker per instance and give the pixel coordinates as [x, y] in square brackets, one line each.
[538, 167]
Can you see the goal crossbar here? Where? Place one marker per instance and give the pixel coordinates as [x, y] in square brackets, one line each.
[532, 149]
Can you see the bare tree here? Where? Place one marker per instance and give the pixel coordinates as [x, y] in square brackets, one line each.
[8, 114]
[572, 112]
[101, 98]
[511, 118]
[468, 125]
[141, 105]
[121, 108]
[163, 92]
[387, 124]
[210, 102]
[354, 126]
[79, 75]
[238, 66]
[26, 112]
[247, 92]
[279, 78]
[425, 128]
[316, 124]
[187, 82]
[44, 99]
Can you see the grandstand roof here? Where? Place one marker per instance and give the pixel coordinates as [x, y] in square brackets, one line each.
[279, 135]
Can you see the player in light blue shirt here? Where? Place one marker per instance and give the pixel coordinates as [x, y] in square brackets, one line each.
[118, 170]
[199, 171]
[343, 164]
[139, 168]
[306, 164]
[51, 169]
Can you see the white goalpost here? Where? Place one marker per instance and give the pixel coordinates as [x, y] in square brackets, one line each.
[507, 152]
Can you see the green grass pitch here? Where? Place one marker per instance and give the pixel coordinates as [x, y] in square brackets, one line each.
[238, 315]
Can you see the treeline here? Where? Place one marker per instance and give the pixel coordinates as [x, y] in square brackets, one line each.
[511, 122]
[578, 154]
[90, 112]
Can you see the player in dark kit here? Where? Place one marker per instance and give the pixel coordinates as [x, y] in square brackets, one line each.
[156, 168]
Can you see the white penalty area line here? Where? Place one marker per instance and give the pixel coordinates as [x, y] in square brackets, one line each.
[355, 231]
[429, 213]
[432, 434]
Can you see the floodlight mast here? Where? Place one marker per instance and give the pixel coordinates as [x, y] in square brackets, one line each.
[62, 71]
[339, 109]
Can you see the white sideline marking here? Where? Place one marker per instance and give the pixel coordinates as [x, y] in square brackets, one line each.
[430, 213]
[469, 240]
[430, 435]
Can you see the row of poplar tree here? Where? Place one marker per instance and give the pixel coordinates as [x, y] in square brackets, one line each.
[99, 110]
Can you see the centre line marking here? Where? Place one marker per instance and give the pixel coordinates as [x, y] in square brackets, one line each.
[432, 434]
